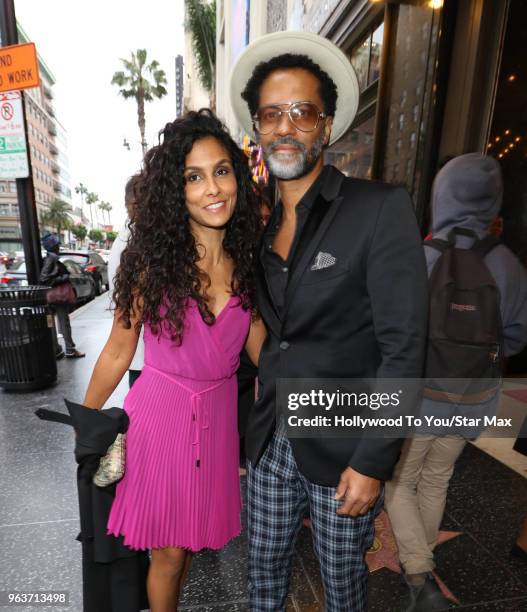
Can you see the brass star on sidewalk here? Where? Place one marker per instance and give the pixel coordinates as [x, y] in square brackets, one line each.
[383, 553]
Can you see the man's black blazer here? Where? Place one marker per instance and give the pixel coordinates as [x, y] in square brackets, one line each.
[363, 317]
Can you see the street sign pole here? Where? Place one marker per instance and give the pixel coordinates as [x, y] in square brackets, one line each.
[24, 186]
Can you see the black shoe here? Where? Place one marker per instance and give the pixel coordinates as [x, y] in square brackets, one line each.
[426, 597]
[59, 355]
[518, 552]
[75, 355]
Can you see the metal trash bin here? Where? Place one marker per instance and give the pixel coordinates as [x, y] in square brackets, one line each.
[27, 354]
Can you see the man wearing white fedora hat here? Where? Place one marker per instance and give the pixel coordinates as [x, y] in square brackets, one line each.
[342, 290]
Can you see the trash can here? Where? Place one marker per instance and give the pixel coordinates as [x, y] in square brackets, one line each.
[27, 355]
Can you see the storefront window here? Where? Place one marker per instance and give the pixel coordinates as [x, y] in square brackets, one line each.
[366, 58]
[508, 136]
[360, 60]
[375, 55]
[353, 153]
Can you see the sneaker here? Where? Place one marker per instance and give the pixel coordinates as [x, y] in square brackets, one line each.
[427, 597]
[59, 355]
[75, 355]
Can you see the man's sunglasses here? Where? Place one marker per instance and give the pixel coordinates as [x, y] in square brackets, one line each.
[305, 116]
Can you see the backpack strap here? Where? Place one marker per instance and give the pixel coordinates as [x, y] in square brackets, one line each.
[438, 244]
[461, 231]
[442, 245]
[484, 246]
[481, 247]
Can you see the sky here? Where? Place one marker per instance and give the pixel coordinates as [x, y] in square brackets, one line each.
[81, 43]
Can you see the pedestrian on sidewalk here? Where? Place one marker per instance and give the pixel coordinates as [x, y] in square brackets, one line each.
[187, 276]
[466, 198]
[342, 289]
[114, 260]
[54, 273]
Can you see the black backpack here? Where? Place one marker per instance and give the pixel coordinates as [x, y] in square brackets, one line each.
[465, 333]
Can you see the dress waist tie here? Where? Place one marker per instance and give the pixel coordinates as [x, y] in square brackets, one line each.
[200, 411]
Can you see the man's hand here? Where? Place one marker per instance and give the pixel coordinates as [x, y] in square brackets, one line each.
[359, 492]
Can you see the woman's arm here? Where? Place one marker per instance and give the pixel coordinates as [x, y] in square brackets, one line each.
[113, 362]
[255, 339]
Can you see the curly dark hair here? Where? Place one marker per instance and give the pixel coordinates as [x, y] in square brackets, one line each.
[327, 88]
[159, 266]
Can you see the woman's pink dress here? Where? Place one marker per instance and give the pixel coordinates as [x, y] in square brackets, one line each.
[181, 485]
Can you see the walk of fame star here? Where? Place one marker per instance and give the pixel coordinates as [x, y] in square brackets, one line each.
[383, 552]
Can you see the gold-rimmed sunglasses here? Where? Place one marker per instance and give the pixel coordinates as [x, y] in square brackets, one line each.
[305, 116]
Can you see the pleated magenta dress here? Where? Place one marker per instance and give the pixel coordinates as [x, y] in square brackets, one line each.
[181, 484]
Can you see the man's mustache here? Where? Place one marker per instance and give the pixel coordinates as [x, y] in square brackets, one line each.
[286, 140]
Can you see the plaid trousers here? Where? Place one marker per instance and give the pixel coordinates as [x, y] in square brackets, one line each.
[278, 496]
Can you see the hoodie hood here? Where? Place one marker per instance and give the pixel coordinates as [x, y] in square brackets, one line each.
[467, 193]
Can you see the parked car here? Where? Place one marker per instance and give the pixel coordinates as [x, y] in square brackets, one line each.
[6, 259]
[82, 281]
[91, 262]
[104, 253]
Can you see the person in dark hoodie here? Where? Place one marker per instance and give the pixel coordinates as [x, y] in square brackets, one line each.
[467, 193]
[54, 273]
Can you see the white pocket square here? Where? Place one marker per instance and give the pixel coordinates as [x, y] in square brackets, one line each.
[323, 260]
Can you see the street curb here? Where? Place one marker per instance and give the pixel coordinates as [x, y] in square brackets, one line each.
[79, 311]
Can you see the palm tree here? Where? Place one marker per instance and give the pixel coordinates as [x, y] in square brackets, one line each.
[201, 23]
[91, 198]
[82, 190]
[57, 216]
[134, 83]
[102, 206]
[105, 207]
[109, 208]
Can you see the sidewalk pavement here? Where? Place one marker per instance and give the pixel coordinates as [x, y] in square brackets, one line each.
[39, 515]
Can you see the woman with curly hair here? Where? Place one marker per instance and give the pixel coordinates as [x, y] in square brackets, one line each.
[186, 275]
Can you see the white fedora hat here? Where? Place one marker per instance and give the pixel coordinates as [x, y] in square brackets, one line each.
[321, 51]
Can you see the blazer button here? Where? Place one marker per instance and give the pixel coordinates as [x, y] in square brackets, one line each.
[284, 345]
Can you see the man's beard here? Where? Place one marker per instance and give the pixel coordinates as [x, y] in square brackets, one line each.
[291, 166]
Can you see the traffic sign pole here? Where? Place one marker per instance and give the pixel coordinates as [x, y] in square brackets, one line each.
[24, 186]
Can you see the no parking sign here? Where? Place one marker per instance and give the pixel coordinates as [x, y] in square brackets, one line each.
[13, 153]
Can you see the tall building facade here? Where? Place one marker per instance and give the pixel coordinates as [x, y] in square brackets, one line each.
[48, 154]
